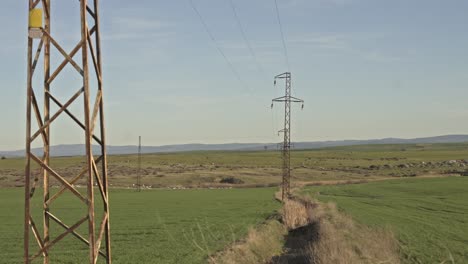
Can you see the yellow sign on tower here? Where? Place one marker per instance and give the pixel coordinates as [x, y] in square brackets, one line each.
[35, 23]
[35, 18]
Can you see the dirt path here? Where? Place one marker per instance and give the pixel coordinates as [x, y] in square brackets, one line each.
[296, 248]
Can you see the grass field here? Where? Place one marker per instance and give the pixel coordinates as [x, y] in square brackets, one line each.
[185, 226]
[262, 168]
[154, 226]
[429, 216]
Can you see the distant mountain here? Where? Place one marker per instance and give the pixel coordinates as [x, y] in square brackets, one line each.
[79, 149]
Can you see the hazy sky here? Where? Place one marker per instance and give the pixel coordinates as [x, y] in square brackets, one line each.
[366, 69]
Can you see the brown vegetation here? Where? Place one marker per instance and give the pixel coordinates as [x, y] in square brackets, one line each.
[258, 247]
[342, 241]
[315, 233]
[295, 214]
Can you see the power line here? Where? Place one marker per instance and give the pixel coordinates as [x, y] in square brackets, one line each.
[282, 35]
[244, 36]
[217, 44]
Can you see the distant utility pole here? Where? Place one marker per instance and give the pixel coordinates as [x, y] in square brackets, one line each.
[139, 166]
[286, 147]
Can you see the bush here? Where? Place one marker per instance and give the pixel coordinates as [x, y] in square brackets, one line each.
[231, 180]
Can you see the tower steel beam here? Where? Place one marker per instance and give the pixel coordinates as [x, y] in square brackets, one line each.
[287, 99]
[94, 171]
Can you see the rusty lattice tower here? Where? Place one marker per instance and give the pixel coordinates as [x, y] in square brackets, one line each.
[40, 240]
[286, 146]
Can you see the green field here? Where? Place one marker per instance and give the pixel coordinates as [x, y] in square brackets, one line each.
[185, 226]
[154, 226]
[429, 216]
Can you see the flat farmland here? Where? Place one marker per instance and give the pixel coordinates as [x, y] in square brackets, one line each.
[415, 190]
[152, 226]
[201, 169]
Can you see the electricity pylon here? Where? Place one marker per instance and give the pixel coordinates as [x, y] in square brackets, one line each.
[286, 147]
[94, 170]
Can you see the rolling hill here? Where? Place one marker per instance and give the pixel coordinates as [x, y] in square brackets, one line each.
[79, 149]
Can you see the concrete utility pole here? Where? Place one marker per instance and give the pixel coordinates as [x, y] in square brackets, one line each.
[286, 147]
[94, 171]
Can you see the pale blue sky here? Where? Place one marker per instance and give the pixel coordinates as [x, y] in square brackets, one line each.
[366, 69]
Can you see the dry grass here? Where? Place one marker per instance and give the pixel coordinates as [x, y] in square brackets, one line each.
[337, 239]
[259, 246]
[342, 241]
[295, 214]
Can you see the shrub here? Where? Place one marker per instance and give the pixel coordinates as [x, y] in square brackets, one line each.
[231, 180]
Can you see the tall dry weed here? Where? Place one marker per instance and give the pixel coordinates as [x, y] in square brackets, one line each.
[258, 247]
[338, 239]
[342, 241]
[295, 214]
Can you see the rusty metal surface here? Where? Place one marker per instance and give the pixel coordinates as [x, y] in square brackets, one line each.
[94, 171]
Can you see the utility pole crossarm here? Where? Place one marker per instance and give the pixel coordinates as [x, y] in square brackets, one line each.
[279, 99]
[290, 99]
[283, 75]
[296, 100]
